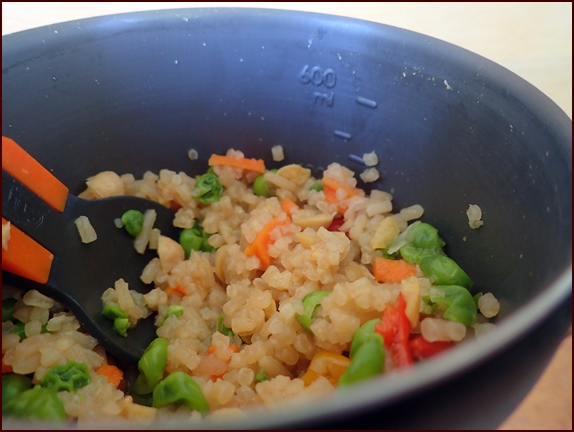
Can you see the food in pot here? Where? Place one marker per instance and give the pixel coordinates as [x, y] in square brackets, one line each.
[282, 287]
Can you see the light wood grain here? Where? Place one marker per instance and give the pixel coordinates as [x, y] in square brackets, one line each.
[534, 40]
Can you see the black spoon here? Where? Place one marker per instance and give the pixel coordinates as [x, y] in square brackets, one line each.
[79, 272]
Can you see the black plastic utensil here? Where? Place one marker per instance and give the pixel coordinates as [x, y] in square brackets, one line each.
[81, 272]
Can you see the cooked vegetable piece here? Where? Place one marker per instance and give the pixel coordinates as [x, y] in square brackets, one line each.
[133, 222]
[151, 366]
[362, 335]
[119, 317]
[441, 270]
[424, 236]
[69, 376]
[288, 206]
[259, 246]
[422, 349]
[414, 254]
[12, 385]
[458, 301]
[113, 373]
[173, 310]
[261, 187]
[121, 326]
[207, 188]
[220, 327]
[261, 376]
[330, 188]
[393, 271]
[19, 329]
[256, 165]
[113, 311]
[317, 186]
[367, 361]
[328, 365]
[181, 389]
[8, 308]
[310, 302]
[395, 328]
[195, 238]
[38, 403]
[336, 224]
[6, 368]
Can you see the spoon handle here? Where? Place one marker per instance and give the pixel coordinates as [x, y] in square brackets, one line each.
[24, 168]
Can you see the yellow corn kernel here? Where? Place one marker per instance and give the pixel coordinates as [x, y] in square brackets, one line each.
[326, 364]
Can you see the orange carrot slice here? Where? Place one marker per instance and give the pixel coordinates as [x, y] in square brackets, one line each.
[288, 206]
[112, 373]
[256, 165]
[259, 246]
[393, 271]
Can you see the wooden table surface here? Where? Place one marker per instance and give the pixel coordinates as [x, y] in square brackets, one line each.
[534, 40]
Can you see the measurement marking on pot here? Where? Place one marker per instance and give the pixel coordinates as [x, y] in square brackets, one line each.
[327, 99]
[342, 134]
[369, 103]
[320, 77]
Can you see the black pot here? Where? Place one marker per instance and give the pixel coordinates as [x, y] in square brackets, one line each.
[135, 92]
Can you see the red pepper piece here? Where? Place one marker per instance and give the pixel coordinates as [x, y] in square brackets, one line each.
[395, 328]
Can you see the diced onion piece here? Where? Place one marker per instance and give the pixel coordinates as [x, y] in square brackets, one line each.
[85, 229]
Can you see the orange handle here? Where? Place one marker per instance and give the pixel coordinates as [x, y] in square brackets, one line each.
[33, 175]
[25, 257]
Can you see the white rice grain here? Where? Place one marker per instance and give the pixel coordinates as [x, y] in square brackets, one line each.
[277, 153]
[85, 229]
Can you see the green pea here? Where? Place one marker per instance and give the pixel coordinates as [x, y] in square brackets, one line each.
[424, 236]
[173, 310]
[133, 222]
[19, 329]
[317, 186]
[362, 335]
[310, 303]
[69, 376]
[121, 326]
[220, 327]
[367, 362]
[261, 187]
[181, 389]
[190, 240]
[12, 385]
[151, 366]
[441, 270]
[8, 309]
[195, 238]
[414, 254]
[458, 303]
[38, 403]
[261, 376]
[207, 188]
[113, 311]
